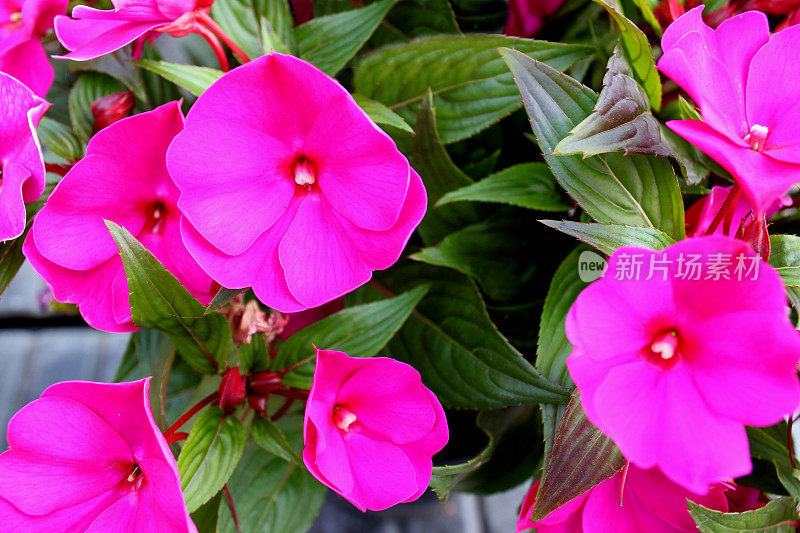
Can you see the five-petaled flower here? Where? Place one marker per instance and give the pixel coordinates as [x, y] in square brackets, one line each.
[746, 86]
[673, 367]
[288, 187]
[21, 164]
[641, 501]
[88, 457]
[123, 178]
[371, 428]
[23, 23]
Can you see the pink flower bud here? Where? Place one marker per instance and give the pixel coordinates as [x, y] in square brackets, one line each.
[110, 108]
[231, 390]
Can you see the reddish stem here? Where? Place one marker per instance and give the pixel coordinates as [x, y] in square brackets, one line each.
[232, 507]
[61, 170]
[212, 40]
[283, 409]
[189, 414]
[175, 437]
[295, 365]
[209, 23]
[727, 207]
[291, 392]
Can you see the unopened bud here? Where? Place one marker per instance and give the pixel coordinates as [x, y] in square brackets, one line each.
[262, 383]
[753, 230]
[231, 390]
[110, 108]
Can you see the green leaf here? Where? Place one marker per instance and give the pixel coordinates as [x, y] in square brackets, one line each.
[471, 86]
[160, 302]
[458, 350]
[271, 494]
[636, 190]
[238, 18]
[417, 18]
[267, 435]
[255, 354]
[59, 139]
[331, 41]
[277, 26]
[778, 516]
[621, 121]
[513, 452]
[88, 87]
[582, 458]
[118, 65]
[205, 518]
[785, 258]
[381, 114]
[495, 253]
[192, 78]
[222, 298]
[553, 348]
[361, 330]
[609, 237]
[637, 50]
[440, 175]
[771, 444]
[529, 185]
[209, 456]
[649, 16]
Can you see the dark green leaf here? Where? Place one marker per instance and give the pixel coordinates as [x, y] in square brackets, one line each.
[417, 18]
[637, 50]
[582, 458]
[529, 185]
[59, 139]
[159, 301]
[785, 257]
[209, 456]
[89, 87]
[269, 436]
[222, 298]
[553, 346]
[192, 78]
[255, 354]
[381, 114]
[621, 121]
[471, 86]
[636, 190]
[361, 331]
[331, 41]
[277, 26]
[771, 444]
[440, 175]
[609, 237]
[238, 18]
[778, 516]
[510, 458]
[459, 352]
[205, 518]
[118, 65]
[271, 494]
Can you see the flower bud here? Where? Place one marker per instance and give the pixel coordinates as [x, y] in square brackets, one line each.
[110, 108]
[262, 383]
[231, 390]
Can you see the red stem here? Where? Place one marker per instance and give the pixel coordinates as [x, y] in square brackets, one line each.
[61, 170]
[189, 414]
[728, 206]
[291, 392]
[282, 411]
[295, 365]
[209, 23]
[233, 508]
[175, 437]
[212, 40]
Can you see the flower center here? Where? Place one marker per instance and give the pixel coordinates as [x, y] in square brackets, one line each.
[757, 137]
[663, 349]
[14, 22]
[304, 173]
[156, 217]
[343, 417]
[135, 477]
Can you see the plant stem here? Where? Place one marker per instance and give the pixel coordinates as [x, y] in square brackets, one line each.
[209, 23]
[232, 507]
[212, 40]
[283, 409]
[729, 205]
[168, 434]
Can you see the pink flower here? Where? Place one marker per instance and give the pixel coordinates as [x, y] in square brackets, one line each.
[21, 163]
[307, 195]
[673, 360]
[746, 86]
[648, 502]
[92, 33]
[525, 16]
[702, 213]
[123, 178]
[370, 430]
[89, 457]
[23, 23]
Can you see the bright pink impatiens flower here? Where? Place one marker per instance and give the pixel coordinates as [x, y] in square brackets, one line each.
[307, 195]
[746, 86]
[525, 16]
[675, 351]
[370, 430]
[23, 23]
[21, 163]
[123, 178]
[648, 502]
[701, 215]
[88, 457]
[92, 33]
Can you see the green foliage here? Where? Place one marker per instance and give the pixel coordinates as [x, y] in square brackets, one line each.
[778, 516]
[159, 301]
[470, 85]
[381, 114]
[609, 237]
[89, 87]
[59, 139]
[209, 456]
[192, 78]
[267, 435]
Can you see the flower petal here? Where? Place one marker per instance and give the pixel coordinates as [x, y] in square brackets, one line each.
[28, 62]
[93, 36]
